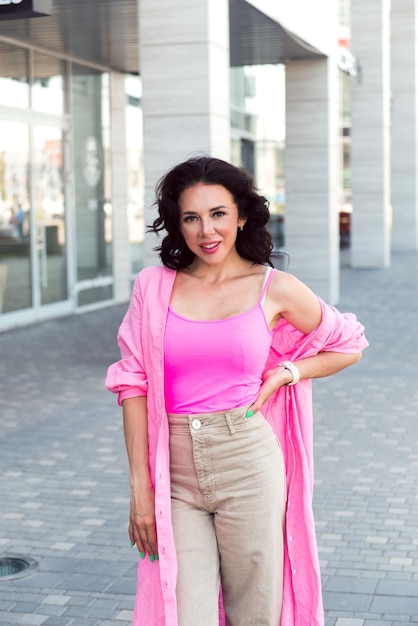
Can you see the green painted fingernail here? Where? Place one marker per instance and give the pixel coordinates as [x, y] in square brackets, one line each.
[142, 555]
[152, 558]
[157, 558]
[132, 544]
[249, 414]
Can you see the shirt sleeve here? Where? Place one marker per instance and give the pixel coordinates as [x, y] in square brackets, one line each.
[337, 332]
[127, 377]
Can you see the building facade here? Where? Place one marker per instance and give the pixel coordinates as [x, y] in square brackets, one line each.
[100, 98]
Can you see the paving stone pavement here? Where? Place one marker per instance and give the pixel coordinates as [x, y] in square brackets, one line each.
[64, 481]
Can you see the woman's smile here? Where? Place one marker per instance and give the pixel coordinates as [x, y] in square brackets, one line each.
[210, 247]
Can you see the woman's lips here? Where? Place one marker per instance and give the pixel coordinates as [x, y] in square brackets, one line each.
[210, 247]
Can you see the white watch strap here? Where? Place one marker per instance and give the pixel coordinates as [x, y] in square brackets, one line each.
[293, 370]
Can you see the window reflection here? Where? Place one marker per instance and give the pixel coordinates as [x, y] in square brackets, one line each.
[15, 274]
[14, 84]
[33, 239]
[48, 93]
[91, 132]
[49, 201]
[258, 134]
[135, 154]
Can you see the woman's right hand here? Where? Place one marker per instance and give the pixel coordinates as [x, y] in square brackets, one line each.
[142, 528]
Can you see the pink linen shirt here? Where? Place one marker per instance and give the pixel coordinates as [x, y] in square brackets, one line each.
[289, 411]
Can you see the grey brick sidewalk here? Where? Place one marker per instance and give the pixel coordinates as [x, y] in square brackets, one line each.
[366, 435]
[64, 482]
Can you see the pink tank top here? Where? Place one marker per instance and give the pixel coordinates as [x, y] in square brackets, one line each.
[215, 365]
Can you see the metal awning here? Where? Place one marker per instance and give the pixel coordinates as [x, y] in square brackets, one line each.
[103, 32]
[256, 39]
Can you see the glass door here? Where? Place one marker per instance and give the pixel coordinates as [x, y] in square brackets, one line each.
[15, 243]
[50, 214]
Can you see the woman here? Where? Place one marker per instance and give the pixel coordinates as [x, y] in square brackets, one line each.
[218, 350]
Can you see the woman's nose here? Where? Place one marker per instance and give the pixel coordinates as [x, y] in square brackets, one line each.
[206, 226]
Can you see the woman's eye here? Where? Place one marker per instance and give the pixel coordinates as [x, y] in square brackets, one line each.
[219, 214]
[189, 218]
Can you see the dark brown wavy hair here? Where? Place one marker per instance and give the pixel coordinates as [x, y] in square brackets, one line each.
[254, 242]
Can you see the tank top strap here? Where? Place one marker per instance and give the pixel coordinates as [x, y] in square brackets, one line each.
[268, 275]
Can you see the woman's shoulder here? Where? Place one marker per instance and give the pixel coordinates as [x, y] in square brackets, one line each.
[283, 282]
[294, 301]
[153, 279]
[153, 272]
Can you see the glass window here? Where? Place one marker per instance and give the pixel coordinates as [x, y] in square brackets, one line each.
[15, 266]
[48, 90]
[135, 154]
[93, 210]
[258, 134]
[49, 205]
[14, 84]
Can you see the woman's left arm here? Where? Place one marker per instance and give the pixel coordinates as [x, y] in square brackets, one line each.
[299, 306]
[325, 364]
[319, 366]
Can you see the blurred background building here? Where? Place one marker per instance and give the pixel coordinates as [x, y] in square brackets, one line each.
[98, 99]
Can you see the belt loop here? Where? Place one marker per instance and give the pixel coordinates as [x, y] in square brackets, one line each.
[230, 424]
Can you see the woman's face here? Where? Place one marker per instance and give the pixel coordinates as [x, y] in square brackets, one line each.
[209, 221]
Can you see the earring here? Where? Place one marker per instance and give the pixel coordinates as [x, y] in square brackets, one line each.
[241, 228]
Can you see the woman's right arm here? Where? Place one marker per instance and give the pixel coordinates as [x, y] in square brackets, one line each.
[142, 529]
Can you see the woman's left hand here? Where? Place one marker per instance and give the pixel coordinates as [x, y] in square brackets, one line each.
[319, 366]
[273, 379]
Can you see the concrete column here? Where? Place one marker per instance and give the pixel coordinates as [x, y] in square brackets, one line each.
[184, 66]
[121, 256]
[370, 151]
[404, 77]
[312, 170]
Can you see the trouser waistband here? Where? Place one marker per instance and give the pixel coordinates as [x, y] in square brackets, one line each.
[218, 420]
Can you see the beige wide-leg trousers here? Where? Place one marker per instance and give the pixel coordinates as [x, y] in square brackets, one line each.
[228, 505]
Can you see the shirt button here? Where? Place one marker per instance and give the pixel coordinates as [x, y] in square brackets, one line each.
[196, 424]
